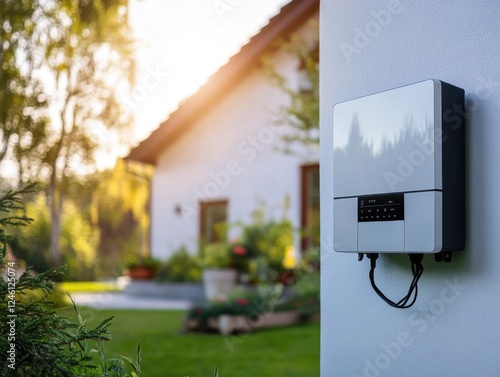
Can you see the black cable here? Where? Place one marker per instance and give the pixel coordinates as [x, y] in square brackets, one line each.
[417, 271]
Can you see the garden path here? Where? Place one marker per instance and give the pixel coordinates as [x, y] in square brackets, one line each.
[119, 300]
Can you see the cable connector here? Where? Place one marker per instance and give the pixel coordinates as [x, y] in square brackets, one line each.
[416, 258]
[373, 259]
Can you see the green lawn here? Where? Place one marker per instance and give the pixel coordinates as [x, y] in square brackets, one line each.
[87, 286]
[292, 351]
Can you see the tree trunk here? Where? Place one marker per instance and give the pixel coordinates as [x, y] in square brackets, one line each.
[55, 205]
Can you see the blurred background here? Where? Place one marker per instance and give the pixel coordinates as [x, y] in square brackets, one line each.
[167, 139]
[167, 49]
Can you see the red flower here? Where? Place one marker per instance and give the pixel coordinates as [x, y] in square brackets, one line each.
[239, 250]
[241, 301]
[197, 310]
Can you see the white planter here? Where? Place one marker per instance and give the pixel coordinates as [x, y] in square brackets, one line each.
[218, 282]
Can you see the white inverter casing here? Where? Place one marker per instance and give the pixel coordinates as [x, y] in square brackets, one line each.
[399, 170]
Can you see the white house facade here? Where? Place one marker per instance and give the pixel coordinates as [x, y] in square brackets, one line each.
[217, 157]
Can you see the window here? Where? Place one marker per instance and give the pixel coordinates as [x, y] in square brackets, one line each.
[213, 217]
[310, 205]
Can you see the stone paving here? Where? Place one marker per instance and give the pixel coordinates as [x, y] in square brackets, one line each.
[119, 300]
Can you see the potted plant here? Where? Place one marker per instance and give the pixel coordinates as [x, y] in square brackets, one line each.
[181, 267]
[269, 244]
[219, 274]
[179, 277]
[142, 268]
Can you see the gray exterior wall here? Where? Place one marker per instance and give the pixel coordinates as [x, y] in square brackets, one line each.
[454, 328]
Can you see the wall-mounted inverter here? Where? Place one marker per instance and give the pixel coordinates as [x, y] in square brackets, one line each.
[399, 170]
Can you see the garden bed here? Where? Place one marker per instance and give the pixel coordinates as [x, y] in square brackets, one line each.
[228, 324]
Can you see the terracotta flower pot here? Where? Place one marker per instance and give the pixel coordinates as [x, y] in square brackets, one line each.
[141, 272]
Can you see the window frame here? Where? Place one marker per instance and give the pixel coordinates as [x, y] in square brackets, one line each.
[305, 170]
[204, 206]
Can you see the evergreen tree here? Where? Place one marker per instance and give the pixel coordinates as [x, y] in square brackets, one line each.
[36, 340]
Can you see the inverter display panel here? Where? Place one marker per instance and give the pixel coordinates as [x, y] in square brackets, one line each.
[399, 170]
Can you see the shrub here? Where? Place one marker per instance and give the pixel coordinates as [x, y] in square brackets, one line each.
[180, 267]
[260, 271]
[310, 261]
[306, 294]
[79, 240]
[147, 262]
[268, 238]
[32, 244]
[217, 255]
